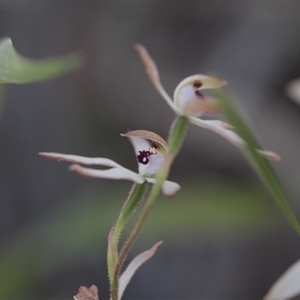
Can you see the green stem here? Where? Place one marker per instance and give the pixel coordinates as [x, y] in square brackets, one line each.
[135, 196]
[177, 134]
[176, 137]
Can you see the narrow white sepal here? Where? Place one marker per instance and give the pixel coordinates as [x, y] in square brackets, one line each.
[134, 266]
[169, 188]
[153, 74]
[225, 131]
[81, 159]
[221, 128]
[114, 173]
[287, 286]
[270, 154]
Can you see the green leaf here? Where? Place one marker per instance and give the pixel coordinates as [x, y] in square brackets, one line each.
[15, 68]
[260, 164]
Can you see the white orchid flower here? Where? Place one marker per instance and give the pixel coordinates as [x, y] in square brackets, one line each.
[150, 158]
[293, 90]
[188, 101]
[287, 286]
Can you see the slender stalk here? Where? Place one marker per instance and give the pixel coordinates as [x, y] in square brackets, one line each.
[176, 137]
[135, 196]
[177, 134]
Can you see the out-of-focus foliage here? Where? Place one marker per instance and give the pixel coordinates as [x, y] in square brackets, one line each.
[212, 209]
[15, 68]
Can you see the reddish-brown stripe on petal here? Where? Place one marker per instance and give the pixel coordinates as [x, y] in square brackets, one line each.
[149, 135]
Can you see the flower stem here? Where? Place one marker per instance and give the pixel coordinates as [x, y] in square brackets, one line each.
[135, 196]
[177, 134]
[176, 137]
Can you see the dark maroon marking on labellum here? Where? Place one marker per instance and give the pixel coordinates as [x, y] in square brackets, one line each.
[154, 144]
[197, 84]
[198, 94]
[143, 157]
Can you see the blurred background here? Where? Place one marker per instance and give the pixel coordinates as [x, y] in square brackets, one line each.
[224, 237]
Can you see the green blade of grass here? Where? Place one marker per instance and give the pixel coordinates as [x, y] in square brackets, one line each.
[260, 164]
[15, 68]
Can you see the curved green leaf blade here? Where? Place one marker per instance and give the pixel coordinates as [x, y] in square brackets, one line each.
[15, 68]
[260, 164]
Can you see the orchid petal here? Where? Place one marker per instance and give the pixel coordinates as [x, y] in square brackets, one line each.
[81, 159]
[139, 144]
[133, 267]
[153, 74]
[200, 82]
[155, 162]
[148, 135]
[287, 286]
[224, 130]
[188, 99]
[221, 128]
[190, 102]
[269, 154]
[114, 173]
[293, 90]
[169, 188]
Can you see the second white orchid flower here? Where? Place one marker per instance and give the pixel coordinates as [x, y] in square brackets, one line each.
[287, 286]
[189, 102]
[150, 157]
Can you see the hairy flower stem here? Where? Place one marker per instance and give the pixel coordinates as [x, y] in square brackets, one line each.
[177, 134]
[176, 137]
[135, 196]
